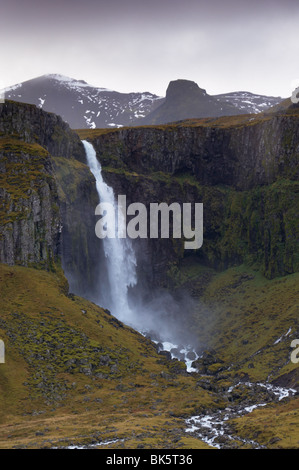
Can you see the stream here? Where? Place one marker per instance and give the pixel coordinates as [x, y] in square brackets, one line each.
[214, 428]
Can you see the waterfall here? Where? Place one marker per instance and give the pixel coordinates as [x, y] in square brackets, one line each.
[121, 272]
[121, 260]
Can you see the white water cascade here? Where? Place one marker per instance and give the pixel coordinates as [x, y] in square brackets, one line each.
[121, 260]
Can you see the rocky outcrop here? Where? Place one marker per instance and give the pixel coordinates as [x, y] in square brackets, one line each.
[33, 125]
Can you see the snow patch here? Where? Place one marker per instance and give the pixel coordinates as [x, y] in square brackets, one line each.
[41, 102]
[283, 336]
[112, 124]
[73, 83]
[12, 88]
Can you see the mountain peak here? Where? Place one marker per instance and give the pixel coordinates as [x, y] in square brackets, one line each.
[186, 100]
[83, 105]
[180, 87]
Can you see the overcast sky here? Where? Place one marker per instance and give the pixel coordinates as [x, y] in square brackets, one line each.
[141, 45]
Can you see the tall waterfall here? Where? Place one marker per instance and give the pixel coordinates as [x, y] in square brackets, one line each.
[121, 260]
[121, 271]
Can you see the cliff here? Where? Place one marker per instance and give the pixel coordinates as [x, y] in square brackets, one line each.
[47, 193]
[241, 151]
[245, 171]
[30, 220]
[33, 125]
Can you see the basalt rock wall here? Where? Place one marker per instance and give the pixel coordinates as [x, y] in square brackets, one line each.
[244, 171]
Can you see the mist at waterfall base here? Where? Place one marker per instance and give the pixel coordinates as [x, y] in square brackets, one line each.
[155, 314]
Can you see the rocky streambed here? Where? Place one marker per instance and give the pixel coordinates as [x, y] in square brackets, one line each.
[215, 428]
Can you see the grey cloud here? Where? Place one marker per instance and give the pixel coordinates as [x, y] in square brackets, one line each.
[143, 44]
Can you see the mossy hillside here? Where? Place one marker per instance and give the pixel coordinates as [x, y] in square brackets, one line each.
[246, 323]
[248, 320]
[52, 400]
[275, 427]
[68, 361]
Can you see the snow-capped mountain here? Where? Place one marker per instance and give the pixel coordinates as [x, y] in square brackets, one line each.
[85, 106]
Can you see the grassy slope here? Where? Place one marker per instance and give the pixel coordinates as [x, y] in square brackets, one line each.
[47, 401]
[273, 426]
[241, 315]
[118, 387]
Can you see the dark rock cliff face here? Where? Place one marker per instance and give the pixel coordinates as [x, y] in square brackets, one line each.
[82, 255]
[244, 171]
[47, 194]
[33, 125]
[30, 223]
[254, 152]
